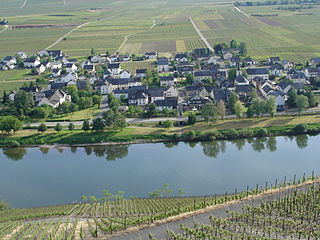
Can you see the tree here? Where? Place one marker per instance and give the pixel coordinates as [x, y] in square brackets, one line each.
[24, 102]
[257, 106]
[250, 112]
[86, 125]
[234, 44]
[98, 125]
[221, 107]
[301, 102]
[313, 100]
[93, 52]
[71, 126]
[96, 99]
[209, 112]
[10, 123]
[239, 109]
[120, 122]
[73, 92]
[190, 79]
[192, 119]
[232, 74]
[243, 49]
[40, 112]
[292, 95]
[151, 110]
[270, 106]
[64, 107]
[233, 98]
[42, 127]
[5, 97]
[58, 127]
[85, 102]
[167, 124]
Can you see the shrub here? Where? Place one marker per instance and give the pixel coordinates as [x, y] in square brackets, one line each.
[262, 132]
[167, 124]
[58, 127]
[14, 143]
[71, 127]
[300, 128]
[232, 134]
[42, 127]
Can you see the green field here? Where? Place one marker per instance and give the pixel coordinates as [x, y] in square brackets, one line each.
[139, 26]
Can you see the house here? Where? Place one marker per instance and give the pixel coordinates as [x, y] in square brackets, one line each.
[141, 73]
[53, 98]
[171, 92]
[22, 55]
[280, 99]
[202, 75]
[70, 77]
[9, 60]
[249, 62]
[156, 94]
[181, 57]
[151, 55]
[138, 98]
[168, 103]
[287, 65]
[234, 61]
[163, 65]
[71, 67]
[258, 72]
[218, 94]
[274, 60]
[121, 92]
[213, 60]
[196, 101]
[56, 72]
[125, 74]
[124, 58]
[114, 58]
[298, 77]
[96, 59]
[240, 80]
[56, 65]
[112, 84]
[55, 54]
[276, 70]
[243, 91]
[284, 87]
[185, 69]
[312, 72]
[32, 90]
[226, 53]
[167, 81]
[41, 69]
[315, 61]
[43, 53]
[266, 90]
[114, 69]
[89, 68]
[201, 53]
[31, 62]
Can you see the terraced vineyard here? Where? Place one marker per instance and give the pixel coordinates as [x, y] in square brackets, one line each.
[99, 219]
[296, 216]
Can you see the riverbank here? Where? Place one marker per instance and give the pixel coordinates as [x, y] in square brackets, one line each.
[138, 135]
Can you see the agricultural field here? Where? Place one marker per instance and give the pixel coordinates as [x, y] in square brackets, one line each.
[133, 66]
[287, 215]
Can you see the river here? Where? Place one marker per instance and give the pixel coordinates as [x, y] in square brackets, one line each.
[31, 177]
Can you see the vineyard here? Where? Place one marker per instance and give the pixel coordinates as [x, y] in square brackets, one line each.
[294, 216]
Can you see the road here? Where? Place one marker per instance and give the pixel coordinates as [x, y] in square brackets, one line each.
[200, 35]
[240, 11]
[76, 28]
[104, 107]
[24, 4]
[159, 232]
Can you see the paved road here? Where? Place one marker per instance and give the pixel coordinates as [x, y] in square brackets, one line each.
[24, 4]
[240, 11]
[200, 35]
[159, 232]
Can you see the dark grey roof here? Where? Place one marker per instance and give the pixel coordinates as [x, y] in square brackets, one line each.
[168, 102]
[204, 73]
[163, 61]
[283, 85]
[114, 65]
[241, 79]
[55, 53]
[316, 60]
[276, 93]
[257, 71]
[8, 58]
[275, 67]
[274, 59]
[29, 89]
[88, 67]
[243, 88]
[267, 88]
[181, 55]
[218, 94]
[167, 78]
[121, 91]
[156, 92]
[137, 95]
[139, 71]
[298, 75]
[55, 86]
[121, 81]
[186, 69]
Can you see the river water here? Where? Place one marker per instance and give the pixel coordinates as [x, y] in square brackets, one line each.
[31, 177]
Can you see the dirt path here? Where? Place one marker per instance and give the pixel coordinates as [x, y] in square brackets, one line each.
[126, 37]
[159, 230]
[80, 26]
[24, 4]
[240, 11]
[6, 27]
[200, 35]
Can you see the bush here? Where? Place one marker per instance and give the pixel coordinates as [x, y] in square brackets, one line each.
[71, 127]
[300, 128]
[42, 127]
[167, 124]
[262, 132]
[58, 127]
[3, 206]
[14, 143]
[232, 134]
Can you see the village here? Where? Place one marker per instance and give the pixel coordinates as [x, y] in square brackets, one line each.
[184, 82]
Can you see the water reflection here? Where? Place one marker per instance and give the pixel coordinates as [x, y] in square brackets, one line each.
[210, 149]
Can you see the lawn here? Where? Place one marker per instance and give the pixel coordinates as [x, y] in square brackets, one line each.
[85, 114]
[16, 74]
